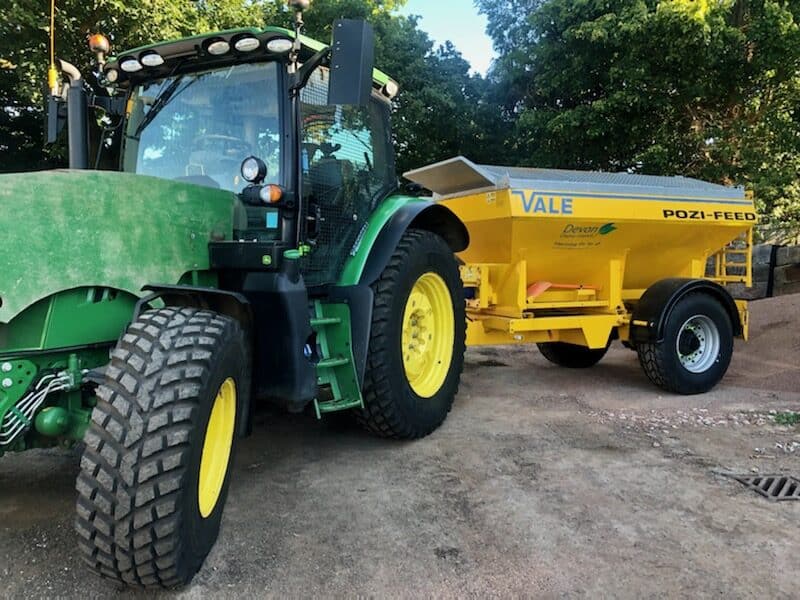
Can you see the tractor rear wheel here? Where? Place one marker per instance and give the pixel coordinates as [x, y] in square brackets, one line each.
[416, 350]
[696, 350]
[571, 356]
[155, 472]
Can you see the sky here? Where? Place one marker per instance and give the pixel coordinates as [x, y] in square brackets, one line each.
[459, 22]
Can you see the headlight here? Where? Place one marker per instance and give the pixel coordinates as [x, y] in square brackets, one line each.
[112, 75]
[391, 89]
[280, 45]
[254, 170]
[247, 44]
[152, 59]
[218, 48]
[130, 65]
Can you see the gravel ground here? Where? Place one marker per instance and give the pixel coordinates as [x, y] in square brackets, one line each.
[543, 482]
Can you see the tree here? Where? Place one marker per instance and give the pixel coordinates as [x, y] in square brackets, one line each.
[441, 110]
[691, 87]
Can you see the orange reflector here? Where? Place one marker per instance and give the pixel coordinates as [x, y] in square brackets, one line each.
[270, 194]
[99, 43]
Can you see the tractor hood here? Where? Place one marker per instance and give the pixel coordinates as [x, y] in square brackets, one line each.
[68, 229]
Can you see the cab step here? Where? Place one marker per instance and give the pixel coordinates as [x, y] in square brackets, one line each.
[336, 368]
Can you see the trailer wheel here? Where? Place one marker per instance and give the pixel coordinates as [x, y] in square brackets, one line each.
[571, 356]
[416, 350]
[696, 350]
[155, 472]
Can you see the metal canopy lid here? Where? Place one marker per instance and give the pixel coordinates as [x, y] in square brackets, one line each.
[455, 176]
[460, 176]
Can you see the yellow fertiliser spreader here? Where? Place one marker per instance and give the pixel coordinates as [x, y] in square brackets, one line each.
[573, 260]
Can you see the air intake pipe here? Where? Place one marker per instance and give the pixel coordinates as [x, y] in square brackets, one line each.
[77, 118]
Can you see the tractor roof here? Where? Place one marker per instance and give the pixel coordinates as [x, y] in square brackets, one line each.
[194, 49]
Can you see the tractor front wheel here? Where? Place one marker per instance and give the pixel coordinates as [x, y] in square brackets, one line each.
[155, 471]
[416, 350]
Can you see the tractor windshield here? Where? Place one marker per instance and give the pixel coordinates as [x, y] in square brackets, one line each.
[199, 127]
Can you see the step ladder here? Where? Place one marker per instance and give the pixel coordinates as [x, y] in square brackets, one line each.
[336, 367]
[734, 263]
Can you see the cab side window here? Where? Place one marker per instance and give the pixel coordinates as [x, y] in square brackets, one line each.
[344, 147]
[348, 169]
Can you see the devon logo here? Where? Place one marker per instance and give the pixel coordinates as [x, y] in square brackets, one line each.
[587, 231]
[607, 228]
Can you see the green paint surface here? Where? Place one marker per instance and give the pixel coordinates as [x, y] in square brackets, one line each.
[70, 229]
[76, 249]
[74, 317]
[354, 267]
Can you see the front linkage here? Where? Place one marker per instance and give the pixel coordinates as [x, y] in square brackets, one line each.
[42, 400]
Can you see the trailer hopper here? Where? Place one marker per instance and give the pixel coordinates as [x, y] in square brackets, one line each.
[571, 260]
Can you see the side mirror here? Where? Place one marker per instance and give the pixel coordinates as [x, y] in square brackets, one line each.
[352, 62]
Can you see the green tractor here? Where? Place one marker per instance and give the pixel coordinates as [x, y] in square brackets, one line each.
[249, 243]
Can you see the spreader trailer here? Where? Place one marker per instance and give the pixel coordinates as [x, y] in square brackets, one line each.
[573, 260]
[247, 241]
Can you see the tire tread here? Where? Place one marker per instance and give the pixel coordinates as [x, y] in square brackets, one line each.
[654, 358]
[128, 521]
[570, 355]
[381, 415]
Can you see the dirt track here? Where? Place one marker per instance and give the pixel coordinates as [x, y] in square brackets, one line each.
[543, 482]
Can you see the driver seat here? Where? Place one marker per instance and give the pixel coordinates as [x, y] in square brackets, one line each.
[327, 180]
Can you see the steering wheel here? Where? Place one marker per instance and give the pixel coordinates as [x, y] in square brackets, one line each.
[232, 148]
[219, 155]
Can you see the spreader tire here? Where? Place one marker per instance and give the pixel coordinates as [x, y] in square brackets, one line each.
[696, 350]
[147, 513]
[416, 350]
[571, 356]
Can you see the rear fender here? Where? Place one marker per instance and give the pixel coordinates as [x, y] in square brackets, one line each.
[374, 250]
[655, 306]
[417, 215]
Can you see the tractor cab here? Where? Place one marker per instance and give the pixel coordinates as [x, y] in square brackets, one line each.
[306, 148]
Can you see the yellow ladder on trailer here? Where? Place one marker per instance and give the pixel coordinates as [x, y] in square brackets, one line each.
[734, 263]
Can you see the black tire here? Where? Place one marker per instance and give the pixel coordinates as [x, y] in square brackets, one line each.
[138, 516]
[392, 408]
[662, 361]
[571, 356]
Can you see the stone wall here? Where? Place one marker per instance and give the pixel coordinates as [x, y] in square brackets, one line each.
[776, 272]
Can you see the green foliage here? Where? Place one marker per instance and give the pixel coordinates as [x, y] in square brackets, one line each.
[787, 418]
[441, 111]
[701, 88]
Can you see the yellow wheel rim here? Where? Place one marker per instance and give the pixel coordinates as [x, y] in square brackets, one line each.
[217, 448]
[428, 335]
